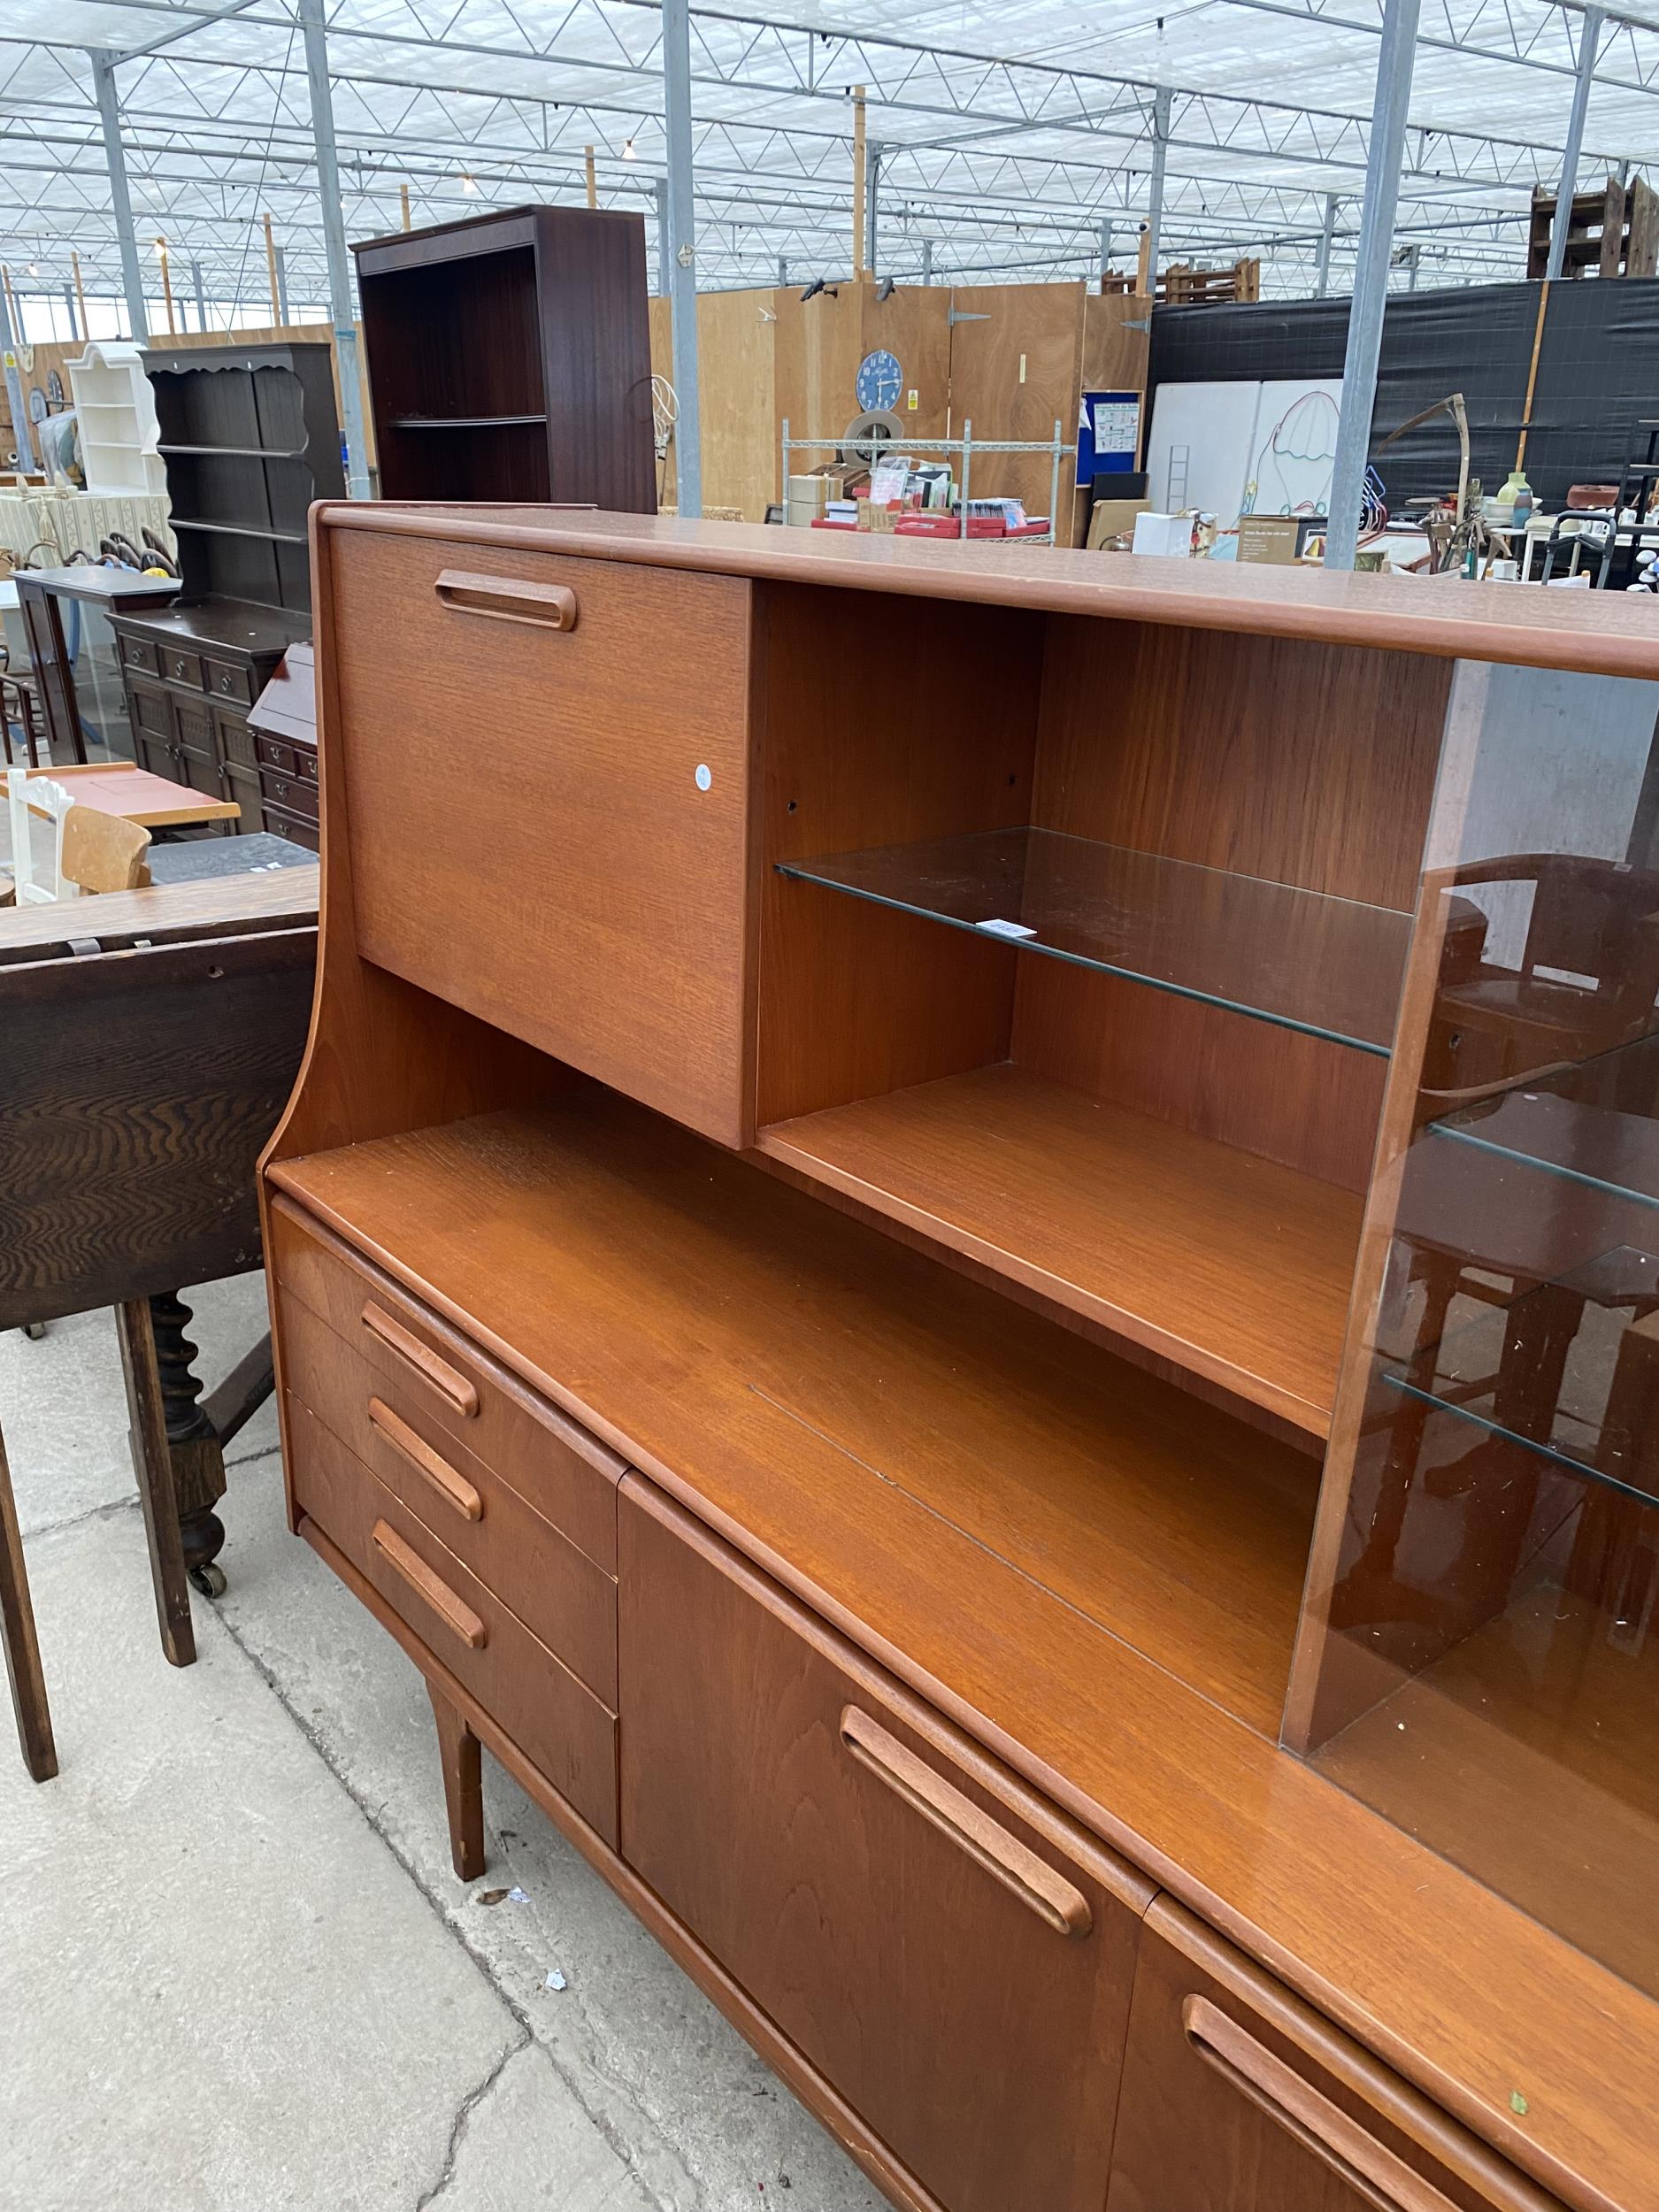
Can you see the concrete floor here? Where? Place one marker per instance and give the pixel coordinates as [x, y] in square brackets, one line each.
[236, 1971]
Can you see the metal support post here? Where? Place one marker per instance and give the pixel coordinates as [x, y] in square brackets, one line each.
[9, 341]
[121, 199]
[664, 286]
[783, 273]
[334, 244]
[1155, 190]
[283, 284]
[927, 261]
[1105, 249]
[1326, 239]
[201, 295]
[683, 251]
[1395, 62]
[858, 181]
[69, 301]
[1589, 39]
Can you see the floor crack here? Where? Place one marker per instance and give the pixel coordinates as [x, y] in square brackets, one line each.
[567, 2074]
[468, 2105]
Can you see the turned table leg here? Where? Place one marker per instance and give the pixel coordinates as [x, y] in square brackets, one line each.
[463, 1787]
[17, 1633]
[153, 1458]
[196, 1448]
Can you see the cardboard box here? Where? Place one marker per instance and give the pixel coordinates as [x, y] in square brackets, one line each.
[1275, 539]
[1111, 518]
[1165, 533]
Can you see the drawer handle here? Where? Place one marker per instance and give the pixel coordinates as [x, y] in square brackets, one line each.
[449, 1483]
[508, 599]
[1032, 1880]
[454, 1612]
[1351, 2152]
[422, 1358]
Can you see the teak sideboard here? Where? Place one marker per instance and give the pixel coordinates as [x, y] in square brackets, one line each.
[989, 1309]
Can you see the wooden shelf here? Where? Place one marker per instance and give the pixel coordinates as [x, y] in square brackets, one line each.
[238, 530]
[1233, 1267]
[242, 452]
[1526, 1755]
[462, 422]
[725, 1326]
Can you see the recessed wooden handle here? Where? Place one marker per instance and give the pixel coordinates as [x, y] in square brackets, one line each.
[1349, 2149]
[449, 1483]
[508, 599]
[1032, 1880]
[443, 1379]
[454, 1612]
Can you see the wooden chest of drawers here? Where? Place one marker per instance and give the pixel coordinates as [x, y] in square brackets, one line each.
[398, 1434]
[191, 674]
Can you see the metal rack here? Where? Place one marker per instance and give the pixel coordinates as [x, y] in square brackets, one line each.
[967, 445]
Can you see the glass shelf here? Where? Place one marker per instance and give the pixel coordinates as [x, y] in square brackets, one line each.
[1595, 1125]
[1328, 967]
[1495, 1372]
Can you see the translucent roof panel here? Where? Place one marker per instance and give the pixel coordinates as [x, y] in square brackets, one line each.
[1011, 139]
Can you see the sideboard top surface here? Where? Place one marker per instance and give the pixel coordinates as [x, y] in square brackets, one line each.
[1598, 632]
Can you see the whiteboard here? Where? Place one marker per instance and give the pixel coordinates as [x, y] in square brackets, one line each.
[1293, 450]
[1199, 449]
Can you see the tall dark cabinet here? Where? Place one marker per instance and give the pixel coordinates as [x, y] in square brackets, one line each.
[250, 436]
[510, 358]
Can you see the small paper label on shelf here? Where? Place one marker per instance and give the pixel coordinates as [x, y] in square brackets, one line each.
[1006, 929]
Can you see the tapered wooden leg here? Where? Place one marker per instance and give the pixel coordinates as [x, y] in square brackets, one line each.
[17, 1633]
[463, 1787]
[153, 1458]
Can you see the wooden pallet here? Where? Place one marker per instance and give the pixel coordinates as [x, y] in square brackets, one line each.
[1614, 232]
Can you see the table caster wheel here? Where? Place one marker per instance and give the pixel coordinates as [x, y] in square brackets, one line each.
[209, 1579]
[35, 1330]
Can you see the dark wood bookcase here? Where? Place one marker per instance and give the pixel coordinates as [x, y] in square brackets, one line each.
[250, 436]
[510, 358]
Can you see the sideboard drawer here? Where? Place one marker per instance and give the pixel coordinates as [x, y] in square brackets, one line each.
[228, 680]
[290, 794]
[138, 652]
[180, 667]
[558, 1591]
[274, 754]
[559, 1726]
[1237, 2097]
[548, 815]
[949, 1953]
[430, 1373]
[299, 829]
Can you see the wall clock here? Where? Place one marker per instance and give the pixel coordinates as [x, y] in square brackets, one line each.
[878, 383]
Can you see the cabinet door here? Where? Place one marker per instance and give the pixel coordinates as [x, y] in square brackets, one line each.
[1237, 2097]
[244, 788]
[547, 773]
[155, 742]
[948, 1952]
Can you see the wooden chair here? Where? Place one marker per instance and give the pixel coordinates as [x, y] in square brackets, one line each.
[101, 852]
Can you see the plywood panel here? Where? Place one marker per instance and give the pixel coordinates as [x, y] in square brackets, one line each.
[736, 360]
[1117, 347]
[819, 345]
[913, 324]
[1036, 326]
